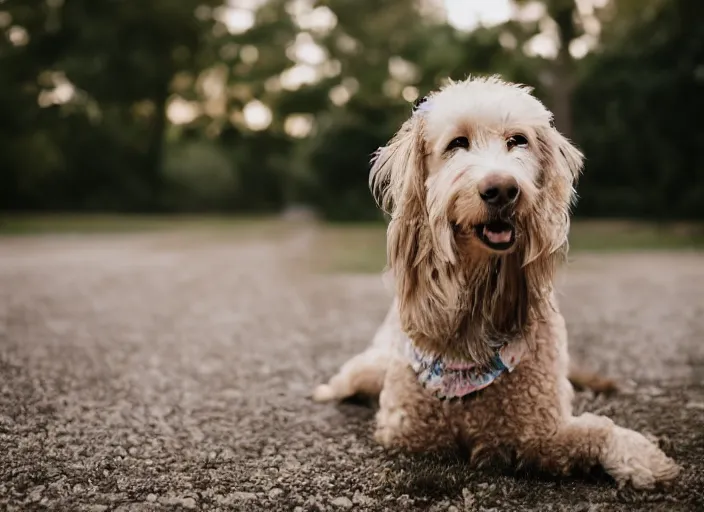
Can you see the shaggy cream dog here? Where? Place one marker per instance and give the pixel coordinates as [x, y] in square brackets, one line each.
[473, 352]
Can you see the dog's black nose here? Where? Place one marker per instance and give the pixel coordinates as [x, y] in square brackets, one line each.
[499, 189]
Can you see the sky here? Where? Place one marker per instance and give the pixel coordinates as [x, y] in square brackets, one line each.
[467, 14]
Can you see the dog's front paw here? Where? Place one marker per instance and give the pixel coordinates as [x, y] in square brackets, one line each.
[389, 427]
[324, 393]
[634, 460]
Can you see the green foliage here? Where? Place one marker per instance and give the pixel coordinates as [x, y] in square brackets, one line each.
[632, 104]
[102, 147]
[262, 169]
[339, 161]
[637, 109]
[199, 176]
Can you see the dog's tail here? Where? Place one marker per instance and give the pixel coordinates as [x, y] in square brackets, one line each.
[583, 379]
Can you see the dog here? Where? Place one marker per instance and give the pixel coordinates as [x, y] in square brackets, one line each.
[478, 185]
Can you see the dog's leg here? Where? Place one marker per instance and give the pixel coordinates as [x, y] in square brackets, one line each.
[589, 440]
[364, 373]
[408, 418]
[579, 442]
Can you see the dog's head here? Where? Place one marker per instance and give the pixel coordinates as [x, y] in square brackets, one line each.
[478, 184]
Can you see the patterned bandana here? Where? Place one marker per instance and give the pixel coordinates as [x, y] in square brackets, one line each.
[445, 379]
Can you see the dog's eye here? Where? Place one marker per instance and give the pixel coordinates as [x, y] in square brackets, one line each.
[459, 142]
[516, 141]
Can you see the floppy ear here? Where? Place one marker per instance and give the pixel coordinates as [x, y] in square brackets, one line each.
[397, 180]
[561, 161]
[570, 157]
[561, 164]
[398, 173]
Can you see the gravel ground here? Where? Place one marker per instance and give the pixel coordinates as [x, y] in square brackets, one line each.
[173, 371]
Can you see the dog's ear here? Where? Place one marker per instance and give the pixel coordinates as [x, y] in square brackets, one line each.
[567, 157]
[398, 172]
[561, 164]
[572, 158]
[397, 180]
[561, 161]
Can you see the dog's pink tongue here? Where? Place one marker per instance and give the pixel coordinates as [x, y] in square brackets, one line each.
[497, 237]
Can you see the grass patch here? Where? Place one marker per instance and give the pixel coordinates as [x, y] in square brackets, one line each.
[346, 248]
[361, 248]
[71, 224]
[351, 248]
[626, 236]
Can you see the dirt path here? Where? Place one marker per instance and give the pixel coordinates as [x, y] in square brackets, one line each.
[143, 372]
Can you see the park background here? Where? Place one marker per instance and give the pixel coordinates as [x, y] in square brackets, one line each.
[188, 245]
[117, 115]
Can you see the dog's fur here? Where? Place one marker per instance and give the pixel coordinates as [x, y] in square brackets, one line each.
[458, 298]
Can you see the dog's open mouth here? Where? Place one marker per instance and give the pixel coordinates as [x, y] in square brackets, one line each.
[498, 235]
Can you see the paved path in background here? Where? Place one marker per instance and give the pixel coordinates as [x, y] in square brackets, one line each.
[169, 372]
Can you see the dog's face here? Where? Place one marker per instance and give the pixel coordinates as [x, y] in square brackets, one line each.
[477, 181]
[484, 161]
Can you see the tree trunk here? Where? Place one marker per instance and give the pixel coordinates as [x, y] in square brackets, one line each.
[562, 88]
[563, 11]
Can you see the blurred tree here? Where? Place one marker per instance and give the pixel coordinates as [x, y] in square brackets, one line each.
[107, 67]
[560, 72]
[638, 105]
[200, 177]
[25, 139]
[283, 101]
[564, 12]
